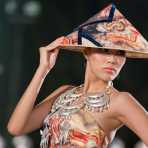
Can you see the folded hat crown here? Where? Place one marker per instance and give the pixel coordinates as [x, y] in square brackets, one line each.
[110, 29]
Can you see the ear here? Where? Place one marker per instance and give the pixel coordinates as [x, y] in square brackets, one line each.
[85, 56]
[86, 52]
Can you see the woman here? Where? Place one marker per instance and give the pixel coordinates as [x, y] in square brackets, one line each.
[90, 114]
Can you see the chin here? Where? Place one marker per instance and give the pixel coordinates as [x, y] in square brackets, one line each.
[105, 78]
[108, 77]
[111, 77]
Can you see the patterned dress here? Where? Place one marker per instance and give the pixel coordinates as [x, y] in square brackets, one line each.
[71, 126]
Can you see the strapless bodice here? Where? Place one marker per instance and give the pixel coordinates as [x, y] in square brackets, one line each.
[72, 126]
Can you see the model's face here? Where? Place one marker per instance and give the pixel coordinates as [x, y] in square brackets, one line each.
[105, 64]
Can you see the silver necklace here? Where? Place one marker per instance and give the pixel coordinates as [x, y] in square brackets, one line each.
[64, 108]
[98, 101]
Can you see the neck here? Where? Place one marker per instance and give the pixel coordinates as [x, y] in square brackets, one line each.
[92, 83]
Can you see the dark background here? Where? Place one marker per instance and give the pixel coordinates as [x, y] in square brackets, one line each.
[23, 31]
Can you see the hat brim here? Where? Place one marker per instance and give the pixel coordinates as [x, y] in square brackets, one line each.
[128, 53]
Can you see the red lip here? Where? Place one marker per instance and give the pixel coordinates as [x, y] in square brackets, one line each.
[110, 69]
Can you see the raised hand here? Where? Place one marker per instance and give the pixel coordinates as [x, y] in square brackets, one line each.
[49, 53]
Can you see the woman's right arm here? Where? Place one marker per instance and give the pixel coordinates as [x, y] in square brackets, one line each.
[26, 117]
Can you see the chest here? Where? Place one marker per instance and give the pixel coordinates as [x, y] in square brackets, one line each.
[108, 123]
[85, 113]
[79, 129]
[74, 121]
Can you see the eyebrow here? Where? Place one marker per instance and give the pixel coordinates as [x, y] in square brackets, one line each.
[110, 51]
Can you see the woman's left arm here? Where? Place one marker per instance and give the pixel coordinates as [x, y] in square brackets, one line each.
[131, 113]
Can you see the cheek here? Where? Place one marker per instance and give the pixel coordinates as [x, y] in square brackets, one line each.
[96, 64]
[97, 58]
[96, 61]
[121, 62]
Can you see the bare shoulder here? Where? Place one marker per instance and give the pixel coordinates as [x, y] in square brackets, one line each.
[43, 108]
[58, 92]
[132, 114]
[125, 103]
[63, 88]
[123, 98]
[126, 99]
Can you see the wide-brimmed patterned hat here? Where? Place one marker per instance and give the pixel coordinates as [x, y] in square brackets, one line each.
[108, 29]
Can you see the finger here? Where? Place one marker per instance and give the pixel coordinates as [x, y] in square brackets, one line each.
[60, 38]
[66, 40]
[56, 52]
[70, 40]
[52, 47]
[55, 44]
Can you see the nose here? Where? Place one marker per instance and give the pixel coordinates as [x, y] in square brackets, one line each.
[111, 59]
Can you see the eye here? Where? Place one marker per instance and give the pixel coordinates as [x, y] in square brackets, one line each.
[105, 50]
[120, 53]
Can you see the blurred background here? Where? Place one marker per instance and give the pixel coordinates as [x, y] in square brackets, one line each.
[26, 25]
